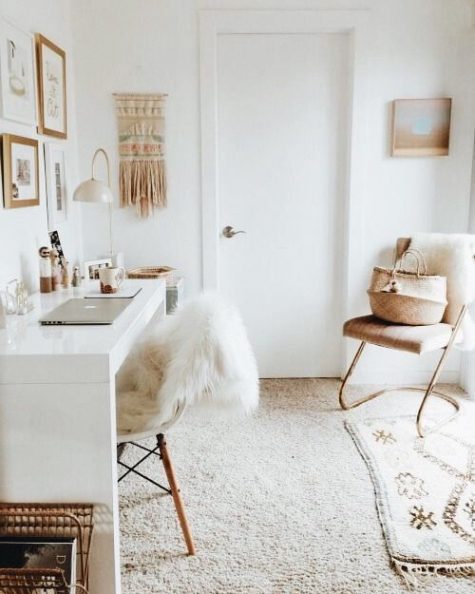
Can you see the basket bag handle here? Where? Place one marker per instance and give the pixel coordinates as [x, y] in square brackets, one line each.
[420, 261]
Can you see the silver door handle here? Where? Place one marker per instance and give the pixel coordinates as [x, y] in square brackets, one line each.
[229, 232]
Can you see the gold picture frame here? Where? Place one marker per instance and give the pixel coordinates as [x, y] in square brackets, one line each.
[421, 127]
[52, 98]
[20, 171]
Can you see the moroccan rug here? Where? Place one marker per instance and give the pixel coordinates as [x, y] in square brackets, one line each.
[425, 494]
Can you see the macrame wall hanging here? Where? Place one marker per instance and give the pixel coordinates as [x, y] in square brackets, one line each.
[142, 175]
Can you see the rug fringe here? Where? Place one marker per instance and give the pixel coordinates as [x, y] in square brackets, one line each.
[413, 572]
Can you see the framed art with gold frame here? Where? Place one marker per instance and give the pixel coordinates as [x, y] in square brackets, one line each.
[51, 68]
[421, 127]
[20, 171]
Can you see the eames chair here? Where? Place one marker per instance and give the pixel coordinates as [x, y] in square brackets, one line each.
[200, 354]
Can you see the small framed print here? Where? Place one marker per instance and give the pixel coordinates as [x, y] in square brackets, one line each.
[56, 184]
[20, 171]
[51, 66]
[421, 127]
[91, 268]
[17, 74]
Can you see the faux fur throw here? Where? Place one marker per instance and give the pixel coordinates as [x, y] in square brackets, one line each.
[200, 354]
[452, 255]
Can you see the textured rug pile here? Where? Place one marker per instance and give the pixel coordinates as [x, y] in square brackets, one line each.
[425, 493]
[280, 503]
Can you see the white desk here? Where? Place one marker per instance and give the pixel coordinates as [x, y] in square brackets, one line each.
[57, 415]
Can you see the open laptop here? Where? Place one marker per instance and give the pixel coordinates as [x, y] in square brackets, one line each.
[85, 312]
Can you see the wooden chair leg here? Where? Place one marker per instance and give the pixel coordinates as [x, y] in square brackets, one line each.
[178, 501]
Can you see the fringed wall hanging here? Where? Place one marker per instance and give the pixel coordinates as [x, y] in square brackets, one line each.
[142, 174]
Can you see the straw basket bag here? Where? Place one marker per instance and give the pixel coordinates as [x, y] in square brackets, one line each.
[403, 297]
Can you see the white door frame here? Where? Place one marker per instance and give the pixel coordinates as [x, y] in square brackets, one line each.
[214, 23]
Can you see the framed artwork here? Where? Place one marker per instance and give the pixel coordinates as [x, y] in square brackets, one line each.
[91, 268]
[20, 171]
[56, 185]
[17, 74]
[51, 88]
[421, 127]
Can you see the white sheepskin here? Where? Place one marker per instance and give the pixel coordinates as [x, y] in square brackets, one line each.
[452, 255]
[200, 354]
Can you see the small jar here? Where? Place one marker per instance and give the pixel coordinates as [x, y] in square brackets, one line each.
[46, 285]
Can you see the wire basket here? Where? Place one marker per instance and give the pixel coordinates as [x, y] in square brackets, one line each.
[33, 581]
[70, 520]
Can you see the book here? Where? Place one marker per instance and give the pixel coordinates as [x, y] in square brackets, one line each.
[40, 552]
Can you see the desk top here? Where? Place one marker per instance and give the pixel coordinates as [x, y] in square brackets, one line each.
[28, 349]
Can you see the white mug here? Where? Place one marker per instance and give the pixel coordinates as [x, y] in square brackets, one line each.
[110, 279]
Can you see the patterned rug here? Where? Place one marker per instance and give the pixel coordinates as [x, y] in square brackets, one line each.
[425, 493]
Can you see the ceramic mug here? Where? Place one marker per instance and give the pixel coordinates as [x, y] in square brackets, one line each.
[111, 278]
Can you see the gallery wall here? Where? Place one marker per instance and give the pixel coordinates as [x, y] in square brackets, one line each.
[24, 230]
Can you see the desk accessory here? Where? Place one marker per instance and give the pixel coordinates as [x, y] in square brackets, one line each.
[76, 280]
[47, 520]
[150, 272]
[3, 315]
[46, 281]
[91, 268]
[45, 552]
[56, 245]
[110, 279]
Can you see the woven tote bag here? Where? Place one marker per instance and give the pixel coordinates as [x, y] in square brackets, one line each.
[403, 297]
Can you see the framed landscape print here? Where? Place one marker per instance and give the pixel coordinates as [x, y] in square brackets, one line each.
[51, 88]
[17, 75]
[20, 171]
[56, 185]
[421, 127]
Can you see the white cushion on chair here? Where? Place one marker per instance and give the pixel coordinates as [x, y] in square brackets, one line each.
[199, 354]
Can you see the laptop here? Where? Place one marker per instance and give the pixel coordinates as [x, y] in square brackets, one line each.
[85, 312]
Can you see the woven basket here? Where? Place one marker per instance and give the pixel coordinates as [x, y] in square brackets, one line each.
[150, 272]
[433, 288]
[417, 299]
[406, 309]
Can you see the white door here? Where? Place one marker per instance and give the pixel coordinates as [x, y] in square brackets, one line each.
[282, 101]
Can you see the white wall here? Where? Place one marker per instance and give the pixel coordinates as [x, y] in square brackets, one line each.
[24, 230]
[468, 62]
[410, 49]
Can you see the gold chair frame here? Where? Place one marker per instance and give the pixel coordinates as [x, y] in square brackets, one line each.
[422, 432]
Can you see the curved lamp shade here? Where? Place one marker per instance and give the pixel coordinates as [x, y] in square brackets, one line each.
[93, 190]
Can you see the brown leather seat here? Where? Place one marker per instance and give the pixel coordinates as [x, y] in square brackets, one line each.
[414, 339]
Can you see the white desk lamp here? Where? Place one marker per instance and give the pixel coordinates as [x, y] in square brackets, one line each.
[93, 190]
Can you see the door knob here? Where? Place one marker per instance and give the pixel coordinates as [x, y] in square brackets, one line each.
[229, 232]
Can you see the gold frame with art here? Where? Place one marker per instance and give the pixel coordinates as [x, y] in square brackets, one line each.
[49, 99]
[11, 173]
[421, 127]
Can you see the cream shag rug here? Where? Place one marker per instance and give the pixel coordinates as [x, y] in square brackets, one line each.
[425, 493]
[280, 503]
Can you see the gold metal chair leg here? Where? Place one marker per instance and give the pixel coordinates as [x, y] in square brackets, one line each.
[430, 388]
